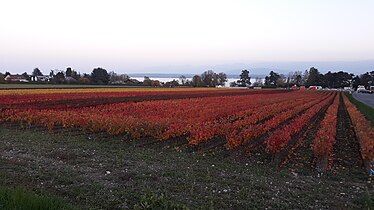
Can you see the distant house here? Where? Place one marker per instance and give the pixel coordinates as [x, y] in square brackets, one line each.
[43, 78]
[70, 79]
[315, 88]
[15, 78]
[294, 87]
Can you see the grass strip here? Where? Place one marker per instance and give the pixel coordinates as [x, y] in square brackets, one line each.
[364, 109]
[19, 198]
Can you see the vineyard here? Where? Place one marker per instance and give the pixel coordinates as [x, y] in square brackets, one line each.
[275, 123]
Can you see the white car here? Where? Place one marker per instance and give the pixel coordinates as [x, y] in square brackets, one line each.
[362, 89]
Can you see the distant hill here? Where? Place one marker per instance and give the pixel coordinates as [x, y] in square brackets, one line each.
[258, 69]
[356, 67]
[157, 75]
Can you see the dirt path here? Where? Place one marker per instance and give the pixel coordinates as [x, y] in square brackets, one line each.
[347, 148]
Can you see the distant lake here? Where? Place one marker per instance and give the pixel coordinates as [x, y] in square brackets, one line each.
[168, 79]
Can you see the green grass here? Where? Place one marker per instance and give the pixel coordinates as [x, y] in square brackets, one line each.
[20, 199]
[364, 109]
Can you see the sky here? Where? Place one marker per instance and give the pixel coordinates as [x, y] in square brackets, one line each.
[172, 36]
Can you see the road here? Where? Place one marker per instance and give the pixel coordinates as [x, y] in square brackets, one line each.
[365, 98]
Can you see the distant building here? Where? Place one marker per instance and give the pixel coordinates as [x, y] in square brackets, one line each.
[70, 79]
[315, 88]
[44, 78]
[294, 87]
[15, 78]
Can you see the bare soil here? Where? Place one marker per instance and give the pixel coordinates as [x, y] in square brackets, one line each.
[114, 173]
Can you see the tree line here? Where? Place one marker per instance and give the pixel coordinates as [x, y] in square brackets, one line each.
[100, 76]
[311, 77]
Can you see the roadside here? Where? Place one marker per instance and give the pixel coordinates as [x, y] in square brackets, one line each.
[98, 172]
[364, 108]
[365, 98]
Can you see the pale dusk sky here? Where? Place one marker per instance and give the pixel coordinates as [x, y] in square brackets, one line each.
[171, 36]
